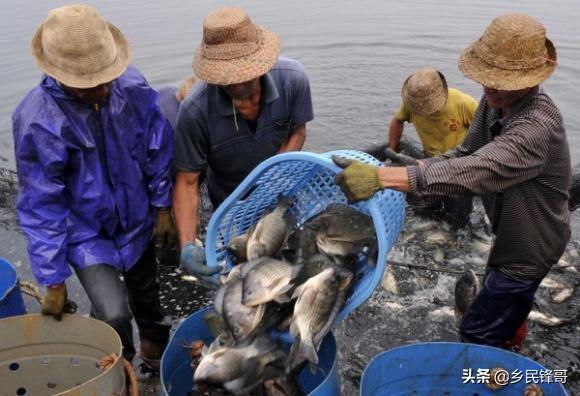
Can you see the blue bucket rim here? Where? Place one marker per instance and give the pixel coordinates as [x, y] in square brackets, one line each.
[210, 307]
[14, 280]
[364, 375]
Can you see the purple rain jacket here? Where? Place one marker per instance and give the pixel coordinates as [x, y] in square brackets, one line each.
[90, 178]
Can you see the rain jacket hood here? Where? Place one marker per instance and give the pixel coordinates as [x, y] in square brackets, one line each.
[90, 176]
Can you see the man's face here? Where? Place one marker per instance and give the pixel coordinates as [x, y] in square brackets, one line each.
[94, 95]
[503, 99]
[242, 90]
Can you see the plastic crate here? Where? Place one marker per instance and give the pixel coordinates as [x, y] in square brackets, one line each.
[437, 368]
[309, 179]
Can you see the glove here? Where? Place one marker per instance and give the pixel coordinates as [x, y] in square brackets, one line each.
[165, 235]
[193, 259]
[358, 181]
[54, 300]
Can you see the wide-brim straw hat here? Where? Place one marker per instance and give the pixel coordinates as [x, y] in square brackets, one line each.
[79, 48]
[233, 49]
[425, 91]
[513, 53]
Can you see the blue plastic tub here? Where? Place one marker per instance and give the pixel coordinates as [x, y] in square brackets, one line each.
[11, 303]
[437, 368]
[177, 375]
[309, 179]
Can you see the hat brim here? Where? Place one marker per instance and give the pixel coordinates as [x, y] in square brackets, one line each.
[91, 80]
[242, 69]
[491, 76]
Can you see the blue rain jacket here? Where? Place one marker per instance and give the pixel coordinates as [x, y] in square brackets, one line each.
[90, 177]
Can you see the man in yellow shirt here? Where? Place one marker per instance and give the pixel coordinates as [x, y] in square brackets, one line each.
[441, 115]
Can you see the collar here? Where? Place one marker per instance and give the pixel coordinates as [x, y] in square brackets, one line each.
[516, 107]
[269, 94]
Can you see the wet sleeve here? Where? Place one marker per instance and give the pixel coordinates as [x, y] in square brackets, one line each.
[302, 111]
[41, 159]
[517, 155]
[159, 155]
[403, 114]
[191, 140]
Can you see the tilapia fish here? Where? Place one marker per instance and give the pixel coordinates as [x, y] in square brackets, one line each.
[271, 231]
[267, 279]
[466, 288]
[240, 319]
[342, 232]
[238, 246]
[237, 369]
[319, 300]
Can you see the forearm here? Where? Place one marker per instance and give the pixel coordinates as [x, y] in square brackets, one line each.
[295, 140]
[395, 178]
[395, 133]
[185, 209]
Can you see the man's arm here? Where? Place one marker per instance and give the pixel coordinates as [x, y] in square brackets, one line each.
[395, 133]
[186, 206]
[41, 159]
[295, 140]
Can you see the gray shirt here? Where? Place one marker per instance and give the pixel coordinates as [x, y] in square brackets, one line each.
[521, 167]
[209, 137]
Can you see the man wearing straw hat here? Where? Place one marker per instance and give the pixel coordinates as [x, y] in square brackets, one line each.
[93, 153]
[251, 105]
[441, 117]
[516, 157]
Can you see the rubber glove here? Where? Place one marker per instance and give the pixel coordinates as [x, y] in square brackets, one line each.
[54, 300]
[193, 259]
[165, 235]
[358, 180]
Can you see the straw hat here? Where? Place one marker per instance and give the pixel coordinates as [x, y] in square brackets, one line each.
[77, 47]
[425, 91]
[233, 49]
[513, 53]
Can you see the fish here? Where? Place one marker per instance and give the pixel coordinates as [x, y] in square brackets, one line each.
[283, 386]
[342, 232]
[267, 279]
[546, 320]
[238, 369]
[238, 246]
[241, 320]
[466, 288]
[271, 231]
[318, 301]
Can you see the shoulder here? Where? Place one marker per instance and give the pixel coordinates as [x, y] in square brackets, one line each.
[37, 108]
[460, 97]
[196, 99]
[286, 68]
[540, 110]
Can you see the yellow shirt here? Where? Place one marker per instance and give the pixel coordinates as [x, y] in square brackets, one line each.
[446, 128]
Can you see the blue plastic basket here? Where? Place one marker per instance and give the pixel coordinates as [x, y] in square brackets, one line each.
[177, 375]
[11, 302]
[309, 179]
[436, 368]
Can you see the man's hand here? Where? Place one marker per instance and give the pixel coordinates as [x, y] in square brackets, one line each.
[53, 302]
[358, 181]
[165, 235]
[193, 259]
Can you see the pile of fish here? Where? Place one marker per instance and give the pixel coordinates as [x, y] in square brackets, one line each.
[285, 279]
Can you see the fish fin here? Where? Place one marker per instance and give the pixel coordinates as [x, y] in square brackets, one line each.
[282, 298]
[345, 278]
[307, 350]
[294, 330]
[297, 291]
[218, 301]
